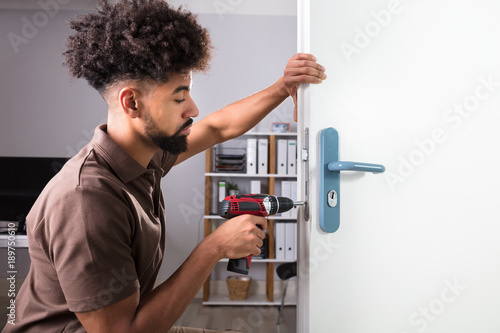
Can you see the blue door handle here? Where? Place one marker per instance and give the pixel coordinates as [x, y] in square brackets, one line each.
[355, 166]
[329, 177]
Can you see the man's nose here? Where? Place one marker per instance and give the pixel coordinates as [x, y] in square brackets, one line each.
[192, 110]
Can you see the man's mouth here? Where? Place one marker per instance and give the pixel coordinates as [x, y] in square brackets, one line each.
[186, 128]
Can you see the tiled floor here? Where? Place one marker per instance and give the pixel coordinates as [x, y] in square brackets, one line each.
[248, 319]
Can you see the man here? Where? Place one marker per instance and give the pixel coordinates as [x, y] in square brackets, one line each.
[96, 233]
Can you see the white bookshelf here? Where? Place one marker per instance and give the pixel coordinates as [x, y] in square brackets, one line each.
[219, 297]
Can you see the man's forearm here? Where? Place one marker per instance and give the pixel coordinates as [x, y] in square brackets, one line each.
[235, 238]
[161, 308]
[241, 116]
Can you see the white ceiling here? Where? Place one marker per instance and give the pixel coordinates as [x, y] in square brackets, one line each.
[222, 7]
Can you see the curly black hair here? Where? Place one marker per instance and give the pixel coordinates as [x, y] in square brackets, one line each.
[135, 40]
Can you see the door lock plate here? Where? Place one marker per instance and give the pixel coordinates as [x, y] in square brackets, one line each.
[330, 167]
[329, 200]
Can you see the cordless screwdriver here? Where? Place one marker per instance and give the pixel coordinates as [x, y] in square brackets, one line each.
[252, 204]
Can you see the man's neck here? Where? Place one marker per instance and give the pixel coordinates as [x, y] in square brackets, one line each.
[130, 141]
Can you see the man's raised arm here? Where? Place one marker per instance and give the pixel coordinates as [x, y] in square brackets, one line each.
[239, 117]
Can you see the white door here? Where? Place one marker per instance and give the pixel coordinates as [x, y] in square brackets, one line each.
[415, 86]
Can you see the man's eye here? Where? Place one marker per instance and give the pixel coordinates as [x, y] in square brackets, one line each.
[180, 100]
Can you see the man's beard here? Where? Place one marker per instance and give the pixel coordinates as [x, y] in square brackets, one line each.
[174, 144]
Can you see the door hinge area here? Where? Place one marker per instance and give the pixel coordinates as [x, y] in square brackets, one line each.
[305, 158]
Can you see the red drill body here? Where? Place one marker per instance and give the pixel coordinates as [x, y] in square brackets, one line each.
[252, 204]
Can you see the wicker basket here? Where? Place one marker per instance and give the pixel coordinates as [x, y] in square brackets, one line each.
[238, 287]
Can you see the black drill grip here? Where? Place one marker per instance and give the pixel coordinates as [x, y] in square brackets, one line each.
[240, 265]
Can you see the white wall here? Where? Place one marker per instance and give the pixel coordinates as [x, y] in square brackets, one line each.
[45, 113]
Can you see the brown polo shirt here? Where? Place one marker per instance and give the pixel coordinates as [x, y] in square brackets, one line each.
[96, 235]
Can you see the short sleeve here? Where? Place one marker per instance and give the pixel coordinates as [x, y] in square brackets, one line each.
[87, 238]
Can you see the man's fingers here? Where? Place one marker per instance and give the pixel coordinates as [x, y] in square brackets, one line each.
[294, 71]
[302, 68]
[295, 80]
[256, 252]
[305, 67]
[260, 243]
[261, 234]
[262, 223]
[303, 56]
[303, 71]
[305, 63]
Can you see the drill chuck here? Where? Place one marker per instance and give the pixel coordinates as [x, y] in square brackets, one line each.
[278, 204]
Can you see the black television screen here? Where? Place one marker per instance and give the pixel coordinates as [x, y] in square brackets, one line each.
[22, 179]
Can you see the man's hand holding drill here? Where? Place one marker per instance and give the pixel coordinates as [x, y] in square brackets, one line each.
[239, 237]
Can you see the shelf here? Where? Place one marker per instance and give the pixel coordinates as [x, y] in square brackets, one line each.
[270, 133]
[245, 175]
[255, 260]
[253, 300]
[275, 218]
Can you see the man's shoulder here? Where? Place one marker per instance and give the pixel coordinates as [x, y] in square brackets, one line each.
[83, 174]
[85, 170]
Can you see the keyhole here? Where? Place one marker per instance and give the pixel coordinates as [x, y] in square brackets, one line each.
[332, 198]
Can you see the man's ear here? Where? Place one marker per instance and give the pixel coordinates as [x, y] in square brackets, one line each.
[129, 101]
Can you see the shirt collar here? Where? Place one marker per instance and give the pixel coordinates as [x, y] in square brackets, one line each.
[125, 167]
